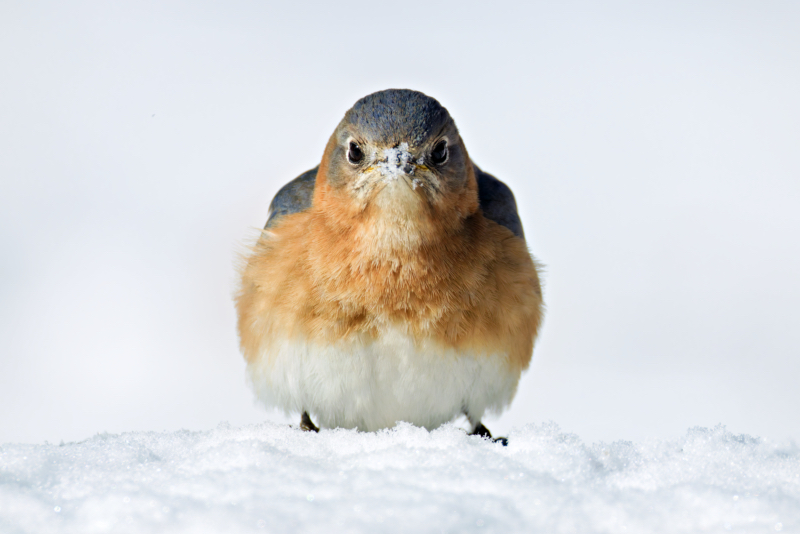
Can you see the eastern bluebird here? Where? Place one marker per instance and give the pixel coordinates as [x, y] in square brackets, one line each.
[392, 282]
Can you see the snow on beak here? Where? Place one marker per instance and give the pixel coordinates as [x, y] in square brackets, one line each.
[397, 162]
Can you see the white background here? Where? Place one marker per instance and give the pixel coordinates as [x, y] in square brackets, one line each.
[654, 153]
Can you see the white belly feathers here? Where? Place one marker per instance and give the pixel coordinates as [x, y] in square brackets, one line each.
[373, 385]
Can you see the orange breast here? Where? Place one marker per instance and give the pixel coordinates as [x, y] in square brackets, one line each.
[474, 288]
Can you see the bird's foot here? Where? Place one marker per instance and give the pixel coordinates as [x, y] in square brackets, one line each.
[483, 432]
[307, 424]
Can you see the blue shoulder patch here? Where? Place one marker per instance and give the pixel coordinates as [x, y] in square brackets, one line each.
[293, 197]
[497, 202]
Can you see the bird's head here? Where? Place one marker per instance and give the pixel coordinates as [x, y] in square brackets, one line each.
[397, 164]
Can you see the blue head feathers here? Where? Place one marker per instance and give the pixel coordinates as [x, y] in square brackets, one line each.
[395, 115]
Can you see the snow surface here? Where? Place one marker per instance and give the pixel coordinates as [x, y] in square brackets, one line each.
[273, 478]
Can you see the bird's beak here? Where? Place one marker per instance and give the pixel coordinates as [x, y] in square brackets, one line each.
[397, 162]
[396, 170]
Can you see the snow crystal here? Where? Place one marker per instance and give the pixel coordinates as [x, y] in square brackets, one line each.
[273, 478]
[398, 161]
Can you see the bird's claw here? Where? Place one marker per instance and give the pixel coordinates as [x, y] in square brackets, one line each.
[483, 432]
[307, 424]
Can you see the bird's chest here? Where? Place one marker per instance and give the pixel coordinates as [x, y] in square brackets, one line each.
[377, 300]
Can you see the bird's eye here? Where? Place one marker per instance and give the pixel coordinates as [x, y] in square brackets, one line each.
[354, 153]
[439, 153]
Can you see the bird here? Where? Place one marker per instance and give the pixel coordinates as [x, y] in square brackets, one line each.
[392, 282]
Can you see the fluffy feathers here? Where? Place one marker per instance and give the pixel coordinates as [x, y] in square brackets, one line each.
[388, 300]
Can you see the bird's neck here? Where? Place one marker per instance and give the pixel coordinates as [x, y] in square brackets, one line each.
[392, 236]
[389, 256]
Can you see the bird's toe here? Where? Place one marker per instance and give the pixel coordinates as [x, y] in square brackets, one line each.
[482, 431]
[307, 424]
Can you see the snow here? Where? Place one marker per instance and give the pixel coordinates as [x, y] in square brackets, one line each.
[273, 478]
[396, 162]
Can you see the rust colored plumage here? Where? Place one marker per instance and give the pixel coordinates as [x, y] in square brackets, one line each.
[382, 251]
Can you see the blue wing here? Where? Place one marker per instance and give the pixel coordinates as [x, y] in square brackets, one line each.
[293, 197]
[497, 200]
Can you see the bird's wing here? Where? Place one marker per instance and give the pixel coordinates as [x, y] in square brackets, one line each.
[497, 202]
[293, 197]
